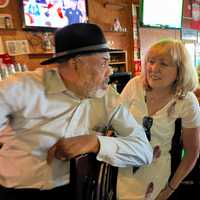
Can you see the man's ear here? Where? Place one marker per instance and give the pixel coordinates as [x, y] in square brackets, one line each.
[76, 62]
[73, 63]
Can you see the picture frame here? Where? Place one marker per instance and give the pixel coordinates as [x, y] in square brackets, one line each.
[189, 34]
[6, 21]
[17, 47]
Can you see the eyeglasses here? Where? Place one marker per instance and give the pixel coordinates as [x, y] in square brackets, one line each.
[147, 124]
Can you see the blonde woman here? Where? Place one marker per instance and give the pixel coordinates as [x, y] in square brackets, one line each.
[163, 93]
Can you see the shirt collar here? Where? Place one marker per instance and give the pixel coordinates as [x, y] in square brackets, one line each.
[53, 82]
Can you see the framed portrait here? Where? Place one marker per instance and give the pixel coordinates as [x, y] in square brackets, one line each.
[6, 21]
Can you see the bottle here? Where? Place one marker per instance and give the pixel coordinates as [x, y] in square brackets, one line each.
[11, 69]
[24, 67]
[117, 26]
[18, 67]
[4, 71]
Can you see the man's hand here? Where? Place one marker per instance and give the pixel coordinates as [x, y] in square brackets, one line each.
[67, 148]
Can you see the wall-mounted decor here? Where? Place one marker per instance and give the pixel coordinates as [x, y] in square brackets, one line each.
[189, 34]
[6, 21]
[2, 50]
[195, 9]
[3, 3]
[116, 25]
[187, 9]
[17, 47]
[49, 15]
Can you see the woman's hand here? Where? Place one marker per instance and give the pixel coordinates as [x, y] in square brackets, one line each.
[67, 148]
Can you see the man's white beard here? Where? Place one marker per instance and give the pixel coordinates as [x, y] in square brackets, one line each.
[98, 93]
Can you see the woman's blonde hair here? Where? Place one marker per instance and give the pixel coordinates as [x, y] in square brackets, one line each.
[187, 78]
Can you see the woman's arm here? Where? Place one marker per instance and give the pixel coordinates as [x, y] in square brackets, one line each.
[191, 144]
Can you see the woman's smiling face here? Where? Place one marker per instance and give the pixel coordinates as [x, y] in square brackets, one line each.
[160, 68]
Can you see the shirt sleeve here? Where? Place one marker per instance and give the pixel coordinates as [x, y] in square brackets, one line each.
[190, 112]
[130, 147]
[5, 108]
[11, 95]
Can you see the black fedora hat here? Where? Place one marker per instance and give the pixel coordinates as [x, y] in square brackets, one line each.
[76, 39]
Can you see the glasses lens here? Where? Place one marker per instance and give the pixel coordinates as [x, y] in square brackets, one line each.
[147, 124]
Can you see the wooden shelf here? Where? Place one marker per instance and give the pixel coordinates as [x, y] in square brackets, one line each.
[7, 29]
[118, 61]
[114, 6]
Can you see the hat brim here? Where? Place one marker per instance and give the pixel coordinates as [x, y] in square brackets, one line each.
[67, 56]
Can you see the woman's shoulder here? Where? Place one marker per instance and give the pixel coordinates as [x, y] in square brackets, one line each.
[190, 98]
[133, 91]
[189, 110]
[136, 80]
[136, 83]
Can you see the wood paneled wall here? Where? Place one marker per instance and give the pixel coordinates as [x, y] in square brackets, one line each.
[98, 13]
[148, 36]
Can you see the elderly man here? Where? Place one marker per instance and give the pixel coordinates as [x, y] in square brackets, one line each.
[51, 115]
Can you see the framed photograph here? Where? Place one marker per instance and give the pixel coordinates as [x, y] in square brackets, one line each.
[6, 21]
[17, 47]
[189, 34]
